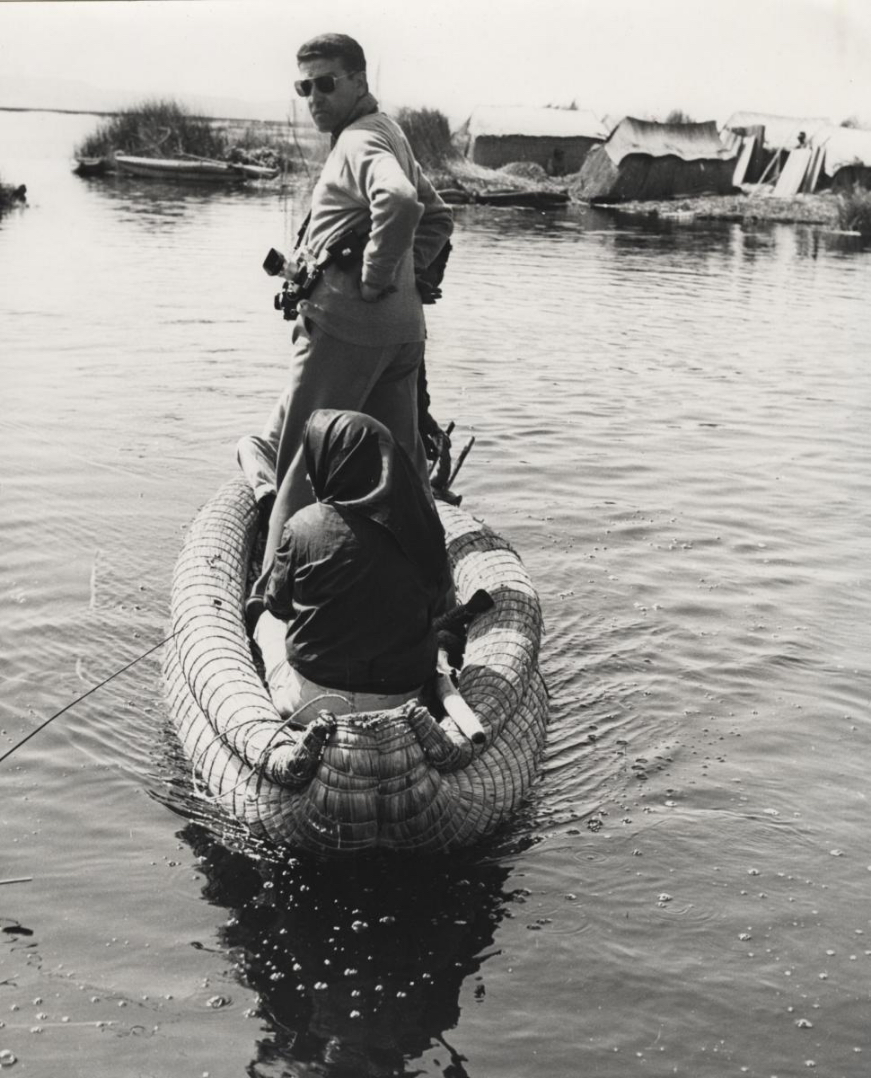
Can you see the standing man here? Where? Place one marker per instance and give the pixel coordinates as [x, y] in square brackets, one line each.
[358, 340]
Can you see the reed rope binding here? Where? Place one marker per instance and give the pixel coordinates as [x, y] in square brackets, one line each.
[283, 727]
[79, 699]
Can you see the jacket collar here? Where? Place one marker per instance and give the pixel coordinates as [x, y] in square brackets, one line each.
[364, 107]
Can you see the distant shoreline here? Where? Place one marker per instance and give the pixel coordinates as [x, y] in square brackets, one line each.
[117, 112]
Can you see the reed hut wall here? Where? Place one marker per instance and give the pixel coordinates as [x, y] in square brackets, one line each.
[644, 161]
[494, 151]
[556, 139]
[848, 177]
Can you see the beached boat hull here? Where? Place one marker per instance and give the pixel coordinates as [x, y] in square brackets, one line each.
[92, 166]
[390, 780]
[158, 168]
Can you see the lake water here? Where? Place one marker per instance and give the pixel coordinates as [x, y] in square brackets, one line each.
[673, 428]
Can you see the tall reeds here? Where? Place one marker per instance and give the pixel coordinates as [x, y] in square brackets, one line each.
[157, 128]
[854, 210]
[678, 116]
[429, 134]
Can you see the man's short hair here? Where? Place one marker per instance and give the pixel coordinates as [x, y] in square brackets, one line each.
[333, 47]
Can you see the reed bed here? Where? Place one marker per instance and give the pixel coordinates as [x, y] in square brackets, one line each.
[854, 210]
[817, 209]
[155, 128]
[429, 135]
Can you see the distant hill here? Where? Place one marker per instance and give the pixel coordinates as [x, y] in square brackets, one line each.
[76, 96]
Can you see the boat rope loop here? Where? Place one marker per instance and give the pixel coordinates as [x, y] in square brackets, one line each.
[290, 763]
[79, 699]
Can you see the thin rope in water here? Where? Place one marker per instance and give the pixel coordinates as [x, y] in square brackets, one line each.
[79, 699]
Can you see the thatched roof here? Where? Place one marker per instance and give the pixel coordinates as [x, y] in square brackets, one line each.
[844, 147]
[689, 142]
[536, 122]
[781, 132]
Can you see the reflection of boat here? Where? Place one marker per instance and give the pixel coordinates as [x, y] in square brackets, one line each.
[356, 967]
[396, 779]
[92, 166]
[167, 168]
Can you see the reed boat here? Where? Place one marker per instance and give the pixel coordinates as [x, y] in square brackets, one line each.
[256, 172]
[349, 784]
[186, 169]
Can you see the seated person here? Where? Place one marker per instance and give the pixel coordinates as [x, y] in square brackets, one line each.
[357, 579]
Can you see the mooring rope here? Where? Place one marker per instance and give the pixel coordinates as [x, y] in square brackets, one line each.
[79, 699]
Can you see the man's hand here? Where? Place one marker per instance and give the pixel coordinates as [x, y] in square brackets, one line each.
[371, 295]
[291, 268]
[428, 292]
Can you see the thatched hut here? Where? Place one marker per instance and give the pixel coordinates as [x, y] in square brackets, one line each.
[846, 157]
[557, 139]
[643, 160]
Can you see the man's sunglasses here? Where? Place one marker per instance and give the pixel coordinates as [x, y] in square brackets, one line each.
[324, 84]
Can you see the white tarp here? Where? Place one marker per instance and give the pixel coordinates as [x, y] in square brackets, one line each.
[781, 132]
[790, 180]
[844, 147]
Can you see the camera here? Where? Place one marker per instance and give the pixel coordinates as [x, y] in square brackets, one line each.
[344, 253]
[274, 262]
[299, 287]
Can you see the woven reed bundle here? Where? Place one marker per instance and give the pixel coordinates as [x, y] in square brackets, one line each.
[352, 783]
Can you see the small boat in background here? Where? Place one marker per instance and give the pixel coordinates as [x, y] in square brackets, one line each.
[92, 166]
[539, 200]
[510, 196]
[187, 169]
[256, 172]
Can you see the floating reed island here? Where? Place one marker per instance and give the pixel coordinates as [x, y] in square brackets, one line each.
[166, 130]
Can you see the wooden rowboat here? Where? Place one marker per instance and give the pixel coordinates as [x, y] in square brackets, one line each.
[395, 780]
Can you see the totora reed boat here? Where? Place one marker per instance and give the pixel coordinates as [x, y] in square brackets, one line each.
[398, 780]
[191, 169]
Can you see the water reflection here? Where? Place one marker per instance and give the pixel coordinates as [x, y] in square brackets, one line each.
[158, 205]
[358, 967]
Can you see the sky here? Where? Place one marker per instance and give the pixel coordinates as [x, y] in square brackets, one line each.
[708, 58]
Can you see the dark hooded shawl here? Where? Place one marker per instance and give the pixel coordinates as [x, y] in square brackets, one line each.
[355, 465]
[360, 573]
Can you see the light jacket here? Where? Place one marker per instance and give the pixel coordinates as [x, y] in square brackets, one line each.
[371, 183]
